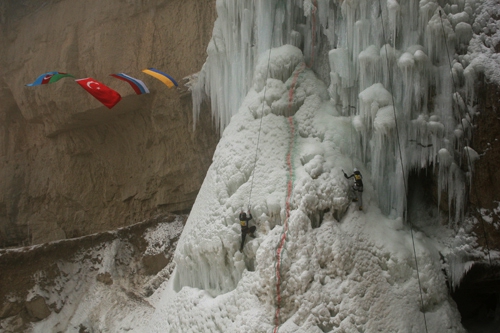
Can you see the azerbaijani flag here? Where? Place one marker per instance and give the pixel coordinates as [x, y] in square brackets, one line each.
[49, 77]
[102, 93]
[136, 84]
[163, 77]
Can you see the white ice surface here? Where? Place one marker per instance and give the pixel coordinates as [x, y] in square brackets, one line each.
[358, 273]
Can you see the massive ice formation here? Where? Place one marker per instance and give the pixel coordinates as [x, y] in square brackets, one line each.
[374, 84]
[404, 48]
[335, 277]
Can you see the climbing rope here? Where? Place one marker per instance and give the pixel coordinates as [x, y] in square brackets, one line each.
[263, 103]
[282, 242]
[464, 142]
[401, 161]
[351, 136]
[291, 92]
[290, 177]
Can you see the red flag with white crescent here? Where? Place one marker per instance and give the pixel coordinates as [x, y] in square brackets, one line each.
[104, 94]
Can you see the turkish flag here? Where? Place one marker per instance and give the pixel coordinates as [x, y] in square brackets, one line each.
[104, 94]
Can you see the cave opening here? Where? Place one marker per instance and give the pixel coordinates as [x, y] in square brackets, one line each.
[478, 299]
[478, 295]
[422, 207]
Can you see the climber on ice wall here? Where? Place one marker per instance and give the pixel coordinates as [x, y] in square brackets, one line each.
[357, 187]
[245, 229]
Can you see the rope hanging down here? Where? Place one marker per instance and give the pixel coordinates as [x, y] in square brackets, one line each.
[314, 10]
[402, 166]
[469, 160]
[264, 99]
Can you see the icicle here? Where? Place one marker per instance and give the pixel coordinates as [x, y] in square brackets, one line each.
[394, 11]
[463, 32]
[472, 158]
[369, 61]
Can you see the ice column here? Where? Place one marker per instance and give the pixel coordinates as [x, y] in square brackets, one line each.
[244, 30]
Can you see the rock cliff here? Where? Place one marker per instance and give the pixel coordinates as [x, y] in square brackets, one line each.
[484, 194]
[68, 165]
[142, 259]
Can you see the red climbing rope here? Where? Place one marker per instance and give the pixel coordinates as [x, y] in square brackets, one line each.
[291, 92]
[281, 245]
[290, 176]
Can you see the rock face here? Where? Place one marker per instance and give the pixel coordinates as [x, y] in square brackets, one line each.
[44, 280]
[484, 194]
[68, 165]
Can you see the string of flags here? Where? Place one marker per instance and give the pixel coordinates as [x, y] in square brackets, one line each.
[103, 93]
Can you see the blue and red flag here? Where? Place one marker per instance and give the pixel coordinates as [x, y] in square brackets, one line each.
[136, 84]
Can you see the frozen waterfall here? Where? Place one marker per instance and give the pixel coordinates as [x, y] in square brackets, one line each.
[374, 56]
[301, 90]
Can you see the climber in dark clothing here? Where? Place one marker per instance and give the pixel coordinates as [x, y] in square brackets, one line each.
[357, 186]
[245, 229]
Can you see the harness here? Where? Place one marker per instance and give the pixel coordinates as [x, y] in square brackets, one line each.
[244, 220]
[358, 182]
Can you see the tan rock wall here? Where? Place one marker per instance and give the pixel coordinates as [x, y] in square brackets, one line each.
[68, 165]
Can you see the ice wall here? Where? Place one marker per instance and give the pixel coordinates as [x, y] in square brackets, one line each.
[390, 70]
[208, 255]
[351, 272]
[302, 90]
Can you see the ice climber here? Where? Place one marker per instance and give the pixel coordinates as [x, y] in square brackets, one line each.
[357, 187]
[245, 229]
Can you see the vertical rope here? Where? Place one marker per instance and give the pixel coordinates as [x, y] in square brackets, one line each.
[291, 92]
[401, 162]
[262, 110]
[351, 136]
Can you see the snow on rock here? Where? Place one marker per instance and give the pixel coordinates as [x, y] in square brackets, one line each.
[102, 286]
[482, 55]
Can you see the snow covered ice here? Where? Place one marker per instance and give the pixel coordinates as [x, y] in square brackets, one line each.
[372, 89]
[340, 277]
